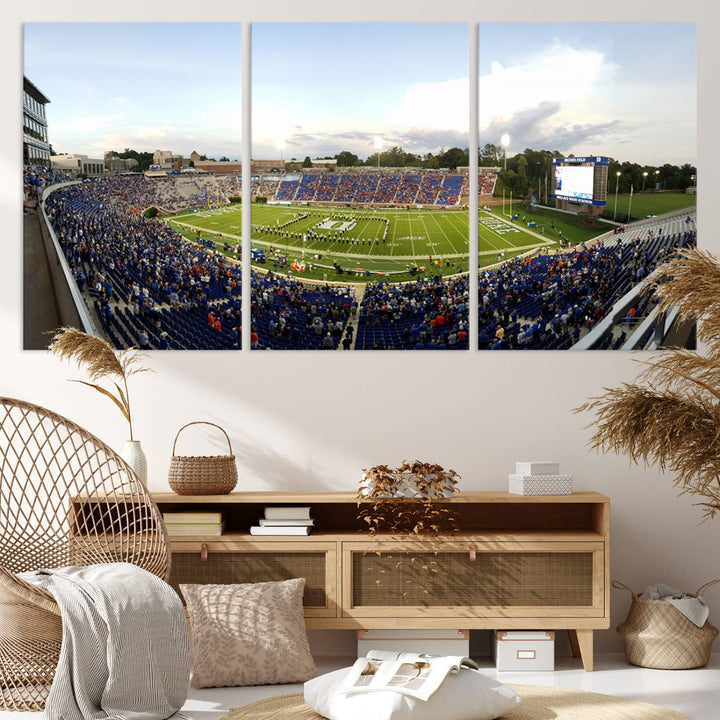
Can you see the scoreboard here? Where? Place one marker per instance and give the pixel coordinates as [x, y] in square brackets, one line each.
[580, 180]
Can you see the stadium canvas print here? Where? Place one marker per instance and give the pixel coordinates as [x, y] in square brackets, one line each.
[128, 130]
[360, 186]
[587, 181]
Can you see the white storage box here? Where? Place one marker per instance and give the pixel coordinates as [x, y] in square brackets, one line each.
[524, 650]
[537, 467]
[430, 642]
[540, 485]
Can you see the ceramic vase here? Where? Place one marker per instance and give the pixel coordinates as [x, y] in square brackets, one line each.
[407, 486]
[134, 456]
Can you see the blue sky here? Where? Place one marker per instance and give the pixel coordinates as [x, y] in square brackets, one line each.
[146, 86]
[627, 90]
[321, 88]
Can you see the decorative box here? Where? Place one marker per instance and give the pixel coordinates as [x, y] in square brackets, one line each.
[524, 650]
[430, 642]
[537, 467]
[540, 485]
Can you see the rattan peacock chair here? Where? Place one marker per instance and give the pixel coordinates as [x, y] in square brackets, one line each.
[65, 499]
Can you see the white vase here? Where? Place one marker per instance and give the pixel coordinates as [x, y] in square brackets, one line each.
[407, 486]
[134, 456]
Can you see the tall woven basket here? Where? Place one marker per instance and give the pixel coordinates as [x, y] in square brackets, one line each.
[202, 475]
[658, 635]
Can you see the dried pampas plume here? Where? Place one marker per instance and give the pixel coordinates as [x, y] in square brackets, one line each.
[100, 361]
[670, 415]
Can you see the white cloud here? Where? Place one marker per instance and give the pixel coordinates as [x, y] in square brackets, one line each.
[574, 78]
[437, 106]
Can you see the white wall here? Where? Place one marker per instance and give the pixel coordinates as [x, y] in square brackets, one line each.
[312, 421]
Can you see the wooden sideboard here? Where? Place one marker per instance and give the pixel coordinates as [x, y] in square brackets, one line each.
[516, 562]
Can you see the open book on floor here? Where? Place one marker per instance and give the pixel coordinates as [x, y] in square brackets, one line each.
[413, 674]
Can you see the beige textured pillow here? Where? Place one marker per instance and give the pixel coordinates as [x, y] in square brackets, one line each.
[250, 634]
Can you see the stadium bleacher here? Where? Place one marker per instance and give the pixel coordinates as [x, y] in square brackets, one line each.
[550, 301]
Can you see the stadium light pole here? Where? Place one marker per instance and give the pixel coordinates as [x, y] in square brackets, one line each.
[657, 173]
[378, 147]
[281, 147]
[505, 141]
[617, 183]
[645, 174]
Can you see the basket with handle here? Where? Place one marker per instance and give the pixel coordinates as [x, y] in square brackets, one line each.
[657, 635]
[204, 474]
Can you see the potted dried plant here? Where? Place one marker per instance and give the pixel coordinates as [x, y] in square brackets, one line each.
[102, 363]
[670, 415]
[402, 504]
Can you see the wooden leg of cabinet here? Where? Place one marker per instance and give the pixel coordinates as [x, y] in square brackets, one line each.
[581, 642]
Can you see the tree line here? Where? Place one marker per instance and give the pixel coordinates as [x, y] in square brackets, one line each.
[527, 173]
[530, 173]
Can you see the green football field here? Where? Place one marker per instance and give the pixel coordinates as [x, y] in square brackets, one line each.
[642, 204]
[367, 244]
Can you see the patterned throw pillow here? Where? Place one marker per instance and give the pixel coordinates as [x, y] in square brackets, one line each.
[249, 634]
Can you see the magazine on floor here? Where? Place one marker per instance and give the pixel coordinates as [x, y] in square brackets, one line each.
[409, 673]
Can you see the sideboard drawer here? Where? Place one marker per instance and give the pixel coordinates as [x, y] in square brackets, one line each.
[498, 579]
[250, 562]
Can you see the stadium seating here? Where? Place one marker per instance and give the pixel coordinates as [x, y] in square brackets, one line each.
[550, 301]
[428, 314]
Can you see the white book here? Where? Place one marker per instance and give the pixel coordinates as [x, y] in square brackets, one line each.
[289, 512]
[285, 523]
[537, 467]
[276, 530]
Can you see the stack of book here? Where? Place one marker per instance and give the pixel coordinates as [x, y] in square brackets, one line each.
[285, 520]
[539, 478]
[183, 524]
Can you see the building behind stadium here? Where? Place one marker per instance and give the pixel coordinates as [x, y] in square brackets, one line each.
[36, 149]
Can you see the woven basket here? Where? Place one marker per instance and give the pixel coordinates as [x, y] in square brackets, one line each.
[658, 635]
[202, 475]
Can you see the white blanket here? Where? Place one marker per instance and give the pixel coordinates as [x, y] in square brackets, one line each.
[693, 608]
[125, 644]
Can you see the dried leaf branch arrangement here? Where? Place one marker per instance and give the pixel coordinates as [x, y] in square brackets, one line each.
[670, 416]
[404, 500]
[407, 503]
[101, 362]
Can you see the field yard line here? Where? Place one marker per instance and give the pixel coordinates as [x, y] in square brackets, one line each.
[447, 237]
[527, 230]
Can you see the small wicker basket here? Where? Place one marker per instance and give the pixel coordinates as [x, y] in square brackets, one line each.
[657, 635]
[202, 475]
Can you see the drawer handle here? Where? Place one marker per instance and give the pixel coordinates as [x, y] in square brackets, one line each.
[204, 552]
[473, 553]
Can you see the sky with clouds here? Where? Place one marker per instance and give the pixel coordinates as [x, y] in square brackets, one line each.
[627, 90]
[321, 88]
[145, 86]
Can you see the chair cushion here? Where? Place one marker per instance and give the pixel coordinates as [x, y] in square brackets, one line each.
[248, 634]
[465, 695]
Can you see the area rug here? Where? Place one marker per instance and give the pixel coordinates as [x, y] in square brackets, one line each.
[539, 703]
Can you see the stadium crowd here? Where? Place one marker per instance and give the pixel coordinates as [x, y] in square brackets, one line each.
[366, 187]
[550, 301]
[150, 286]
[290, 315]
[427, 314]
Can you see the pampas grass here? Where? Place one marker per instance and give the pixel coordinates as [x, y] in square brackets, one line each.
[670, 416]
[101, 362]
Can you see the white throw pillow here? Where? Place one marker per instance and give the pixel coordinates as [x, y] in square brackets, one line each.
[465, 695]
